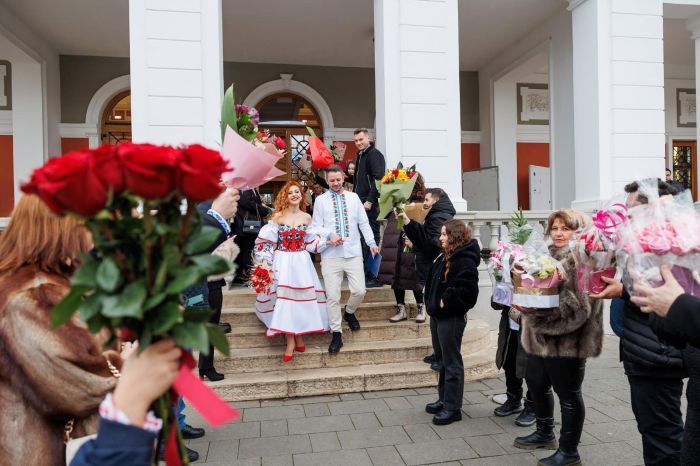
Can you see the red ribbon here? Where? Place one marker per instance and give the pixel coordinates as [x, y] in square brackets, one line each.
[202, 398]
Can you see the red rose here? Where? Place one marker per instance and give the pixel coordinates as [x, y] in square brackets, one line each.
[321, 157]
[108, 167]
[149, 170]
[279, 143]
[199, 173]
[69, 183]
[126, 334]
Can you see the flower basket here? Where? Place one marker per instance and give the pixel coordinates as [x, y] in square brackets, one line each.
[538, 293]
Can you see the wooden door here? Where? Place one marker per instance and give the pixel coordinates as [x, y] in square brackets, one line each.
[684, 164]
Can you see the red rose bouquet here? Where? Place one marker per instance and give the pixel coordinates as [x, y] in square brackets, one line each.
[261, 278]
[395, 190]
[594, 249]
[133, 283]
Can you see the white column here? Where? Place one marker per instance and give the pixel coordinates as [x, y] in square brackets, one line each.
[417, 89]
[693, 25]
[176, 71]
[618, 95]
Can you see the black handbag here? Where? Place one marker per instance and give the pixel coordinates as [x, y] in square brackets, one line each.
[252, 227]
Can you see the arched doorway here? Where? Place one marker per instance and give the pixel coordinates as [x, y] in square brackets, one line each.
[115, 125]
[287, 115]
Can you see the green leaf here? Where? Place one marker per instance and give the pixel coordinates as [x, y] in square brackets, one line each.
[185, 279]
[145, 338]
[192, 335]
[85, 275]
[90, 307]
[166, 316]
[161, 275]
[211, 265]
[197, 314]
[108, 275]
[96, 323]
[228, 112]
[65, 308]
[311, 131]
[201, 240]
[129, 303]
[154, 301]
[162, 229]
[218, 339]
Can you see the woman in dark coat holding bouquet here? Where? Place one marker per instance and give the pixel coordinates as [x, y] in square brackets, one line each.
[451, 289]
[398, 267]
[558, 341]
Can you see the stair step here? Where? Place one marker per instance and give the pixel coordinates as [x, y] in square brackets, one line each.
[296, 382]
[254, 335]
[354, 353]
[379, 311]
[245, 297]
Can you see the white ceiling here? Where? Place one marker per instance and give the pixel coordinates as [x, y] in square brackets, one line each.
[314, 32]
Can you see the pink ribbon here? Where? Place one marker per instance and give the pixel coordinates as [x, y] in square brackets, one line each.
[609, 221]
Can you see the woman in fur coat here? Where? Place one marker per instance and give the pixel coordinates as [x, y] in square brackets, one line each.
[48, 375]
[558, 342]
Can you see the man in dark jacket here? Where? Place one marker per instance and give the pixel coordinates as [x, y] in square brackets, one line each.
[370, 167]
[426, 239]
[654, 368]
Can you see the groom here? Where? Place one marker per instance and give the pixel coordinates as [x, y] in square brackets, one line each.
[340, 216]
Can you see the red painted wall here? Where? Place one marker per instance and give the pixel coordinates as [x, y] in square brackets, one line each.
[7, 191]
[470, 156]
[70, 144]
[529, 153]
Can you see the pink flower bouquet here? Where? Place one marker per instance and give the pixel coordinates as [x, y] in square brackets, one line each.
[536, 276]
[664, 231]
[500, 262]
[594, 249]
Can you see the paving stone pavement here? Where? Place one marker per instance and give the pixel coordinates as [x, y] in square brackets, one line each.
[392, 428]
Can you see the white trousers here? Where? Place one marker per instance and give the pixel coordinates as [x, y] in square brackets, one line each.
[333, 271]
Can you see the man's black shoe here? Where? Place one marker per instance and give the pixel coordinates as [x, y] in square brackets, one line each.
[352, 321]
[447, 416]
[372, 283]
[429, 359]
[189, 432]
[336, 343]
[511, 406]
[436, 366]
[225, 326]
[433, 408]
[191, 454]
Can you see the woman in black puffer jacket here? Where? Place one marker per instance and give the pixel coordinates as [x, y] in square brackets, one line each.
[451, 289]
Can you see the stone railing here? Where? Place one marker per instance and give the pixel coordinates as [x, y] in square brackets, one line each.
[3, 222]
[486, 225]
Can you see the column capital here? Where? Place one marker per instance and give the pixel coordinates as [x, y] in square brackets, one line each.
[692, 24]
[574, 3]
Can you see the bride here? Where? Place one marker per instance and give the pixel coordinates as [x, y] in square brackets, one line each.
[296, 302]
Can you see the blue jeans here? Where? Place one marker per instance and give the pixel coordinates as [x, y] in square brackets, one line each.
[180, 413]
[617, 316]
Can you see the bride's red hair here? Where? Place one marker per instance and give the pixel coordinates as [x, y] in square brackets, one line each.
[282, 199]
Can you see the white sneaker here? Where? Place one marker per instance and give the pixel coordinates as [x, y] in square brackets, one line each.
[420, 315]
[400, 314]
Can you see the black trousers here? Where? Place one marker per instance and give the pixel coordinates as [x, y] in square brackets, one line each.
[244, 260]
[656, 403]
[514, 384]
[374, 224]
[216, 300]
[447, 344]
[565, 375]
[400, 296]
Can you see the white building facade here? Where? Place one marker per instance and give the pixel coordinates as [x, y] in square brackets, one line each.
[591, 93]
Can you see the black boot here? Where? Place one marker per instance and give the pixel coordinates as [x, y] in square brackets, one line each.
[447, 416]
[336, 343]
[210, 374]
[543, 437]
[561, 459]
[352, 321]
[527, 417]
[511, 406]
[434, 408]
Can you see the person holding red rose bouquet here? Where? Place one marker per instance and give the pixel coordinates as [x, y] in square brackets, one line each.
[133, 283]
[294, 303]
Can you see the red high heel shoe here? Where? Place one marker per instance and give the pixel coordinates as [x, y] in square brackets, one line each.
[300, 349]
[287, 357]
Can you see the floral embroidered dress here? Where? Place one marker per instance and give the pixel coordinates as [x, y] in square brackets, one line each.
[297, 303]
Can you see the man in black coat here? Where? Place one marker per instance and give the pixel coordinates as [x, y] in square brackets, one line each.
[655, 369]
[370, 167]
[251, 208]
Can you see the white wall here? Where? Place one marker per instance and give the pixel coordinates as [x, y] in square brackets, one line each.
[557, 33]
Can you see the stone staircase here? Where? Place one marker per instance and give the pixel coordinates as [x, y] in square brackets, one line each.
[380, 356]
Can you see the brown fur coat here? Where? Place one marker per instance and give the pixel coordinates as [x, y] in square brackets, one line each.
[47, 375]
[574, 329]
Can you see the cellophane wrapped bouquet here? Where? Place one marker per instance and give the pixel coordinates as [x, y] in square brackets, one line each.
[500, 261]
[664, 231]
[536, 275]
[594, 248]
